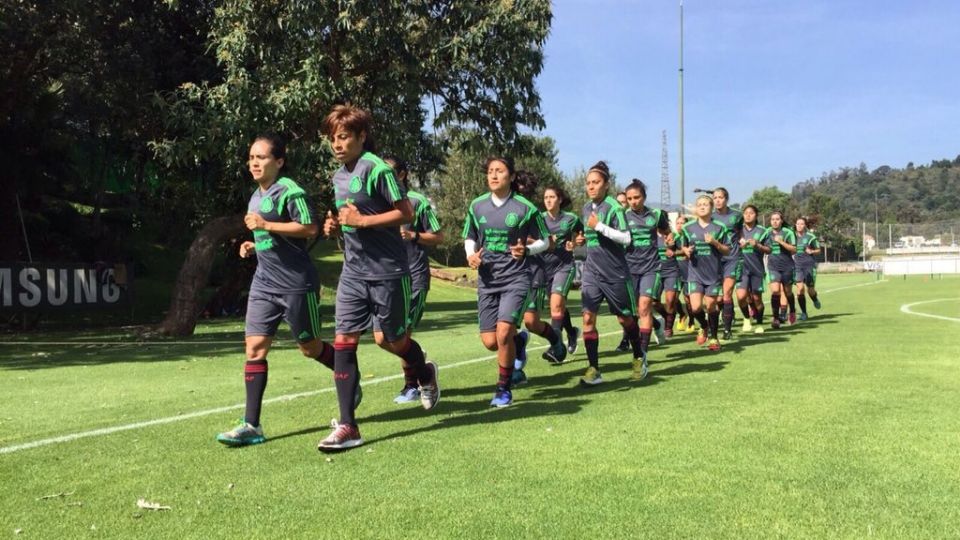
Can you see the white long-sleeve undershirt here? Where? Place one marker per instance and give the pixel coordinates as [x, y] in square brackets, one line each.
[618, 236]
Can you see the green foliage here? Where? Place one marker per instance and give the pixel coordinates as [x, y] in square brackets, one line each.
[769, 199]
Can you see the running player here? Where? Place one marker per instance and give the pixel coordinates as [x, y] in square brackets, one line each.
[732, 263]
[686, 323]
[705, 242]
[495, 233]
[622, 199]
[285, 284]
[754, 244]
[375, 281]
[808, 245]
[525, 185]
[559, 267]
[780, 268]
[424, 232]
[605, 273]
[642, 257]
[670, 279]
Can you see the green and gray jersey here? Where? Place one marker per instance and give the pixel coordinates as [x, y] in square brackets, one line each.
[283, 264]
[563, 229]
[752, 257]
[705, 264]
[375, 253]
[780, 259]
[802, 258]
[424, 221]
[642, 256]
[496, 228]
[733, 221]
[606, 260]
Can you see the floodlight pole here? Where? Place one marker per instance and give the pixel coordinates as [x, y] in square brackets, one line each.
[683, 192]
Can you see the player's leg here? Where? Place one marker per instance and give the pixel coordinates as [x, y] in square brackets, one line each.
[590, 298]
[711, 300]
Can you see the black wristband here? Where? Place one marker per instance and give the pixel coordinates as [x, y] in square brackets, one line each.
[416, 236]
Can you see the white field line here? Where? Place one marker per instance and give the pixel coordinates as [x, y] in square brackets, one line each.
[906, 309]
[854, 286]
[207, 412]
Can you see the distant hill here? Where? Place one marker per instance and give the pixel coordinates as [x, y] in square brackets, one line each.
[914, 194]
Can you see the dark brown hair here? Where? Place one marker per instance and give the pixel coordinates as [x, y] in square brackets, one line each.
[352, 119]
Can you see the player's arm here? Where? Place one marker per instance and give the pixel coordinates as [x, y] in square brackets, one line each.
[813, 248]
[402, 214]
[432, 234]
[784, 241]
[722, 241]
[763, 244]
[293, 229]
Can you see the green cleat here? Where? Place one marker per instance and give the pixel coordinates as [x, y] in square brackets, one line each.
[243, 435]
[591, 377]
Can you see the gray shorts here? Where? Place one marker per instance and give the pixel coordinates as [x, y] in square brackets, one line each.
[706, 289]
[751, 282]
[732, 268]
[301, 311]
[807, 276]
[671, 283]
[780, 276]
[536, 300]
[417, 303]
[385, 304]
[562, 280]
[648, 284]
[620, 297]
[501, 306]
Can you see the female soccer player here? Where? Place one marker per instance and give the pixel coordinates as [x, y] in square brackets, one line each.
[495, 233]
[605, 273]
[705, 242]
[686, 322]
[643, 259]
[754, 244]
[806, 274]
[780, 268]
[375, 281]
[285, 283]
[732, 264]
[559, 267]
[422, 233]
[670, 279]
[525, 184]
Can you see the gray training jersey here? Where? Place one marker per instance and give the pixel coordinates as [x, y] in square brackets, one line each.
[733, 221]
[704, 267]
[376, 253]
[752, 257]
[424, 221]
[283, 264]
[642, 256]
[495, 229]
[606, 260]
[780, 259]
[802, 258]
[563, 229]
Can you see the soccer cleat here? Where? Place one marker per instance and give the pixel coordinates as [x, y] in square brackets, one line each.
[792, 318]
[624, 345]
[591, 377]
[430, 392]
[692, 329]
[747, 326]
[408, 394]
[681, 325]
[775, 323]
[640, 369]
[803, 316]
[758, 329]
[556, 354]
[701, 337]
[243, 435]
[727, 335]
[816, 302]
[658, 331]
[343, 437]
[714, 344]
[518, 377]
[501, 398]
[572, 340]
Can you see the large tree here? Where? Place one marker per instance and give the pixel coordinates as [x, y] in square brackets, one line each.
[285, 63]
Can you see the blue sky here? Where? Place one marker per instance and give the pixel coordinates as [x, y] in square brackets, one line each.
[776, 91]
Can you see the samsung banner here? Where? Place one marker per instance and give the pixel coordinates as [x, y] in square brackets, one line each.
[37, 286]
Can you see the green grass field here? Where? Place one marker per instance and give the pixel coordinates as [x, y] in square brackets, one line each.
[846, 425]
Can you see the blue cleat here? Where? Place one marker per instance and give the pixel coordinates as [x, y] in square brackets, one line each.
[518, 377]
[502, 398]
[556, 354]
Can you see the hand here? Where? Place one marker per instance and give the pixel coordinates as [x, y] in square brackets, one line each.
[254, 221]
[669, 252]
[475, 259]
[670, 240]
[777, 238]
[708, 238]
[580, 239]
[687, 251]
[752, 242]
[808, 250]
[331, 226]
[407, 234]
[593, 220]
[518, 250]
[350, 216]
[569, 245]
[743, 242]
[247, 249]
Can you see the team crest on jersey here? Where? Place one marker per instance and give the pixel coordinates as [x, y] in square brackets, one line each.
[512, 219]
[266, 205]
[355, 184]
[650, 221]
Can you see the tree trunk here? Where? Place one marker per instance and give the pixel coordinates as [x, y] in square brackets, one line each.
[185, 304]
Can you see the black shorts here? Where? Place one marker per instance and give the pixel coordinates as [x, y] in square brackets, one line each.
[265, 310]
[385, 304]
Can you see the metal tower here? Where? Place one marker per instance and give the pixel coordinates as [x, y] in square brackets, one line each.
[664, 175]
